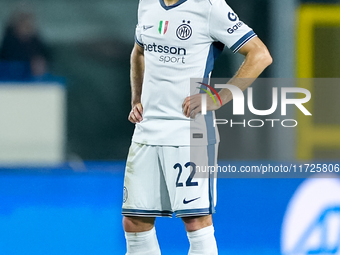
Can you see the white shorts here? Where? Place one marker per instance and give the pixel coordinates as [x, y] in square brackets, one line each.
[160, 181]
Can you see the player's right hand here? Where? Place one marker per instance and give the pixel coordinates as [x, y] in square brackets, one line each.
[135, 115]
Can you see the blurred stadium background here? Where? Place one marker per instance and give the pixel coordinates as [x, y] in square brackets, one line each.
[64, 135]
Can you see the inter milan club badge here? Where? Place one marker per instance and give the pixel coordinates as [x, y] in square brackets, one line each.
[184, 31]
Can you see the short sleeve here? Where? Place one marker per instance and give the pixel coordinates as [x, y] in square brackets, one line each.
[138, 37]
[225, 26]
[139, 28]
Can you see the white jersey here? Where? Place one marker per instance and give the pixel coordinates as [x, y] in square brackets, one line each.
[181, 42]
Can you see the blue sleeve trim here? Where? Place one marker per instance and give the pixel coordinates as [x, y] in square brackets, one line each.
[138, 42]
[246, 38]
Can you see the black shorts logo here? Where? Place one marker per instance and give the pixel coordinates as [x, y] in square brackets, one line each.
[189, 201]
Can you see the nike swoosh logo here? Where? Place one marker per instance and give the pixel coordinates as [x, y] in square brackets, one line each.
[147, 27]
[189, 201]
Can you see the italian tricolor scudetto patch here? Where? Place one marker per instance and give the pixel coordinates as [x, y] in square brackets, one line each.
[163, 27]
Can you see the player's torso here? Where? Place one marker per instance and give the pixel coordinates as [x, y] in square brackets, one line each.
[176, 45]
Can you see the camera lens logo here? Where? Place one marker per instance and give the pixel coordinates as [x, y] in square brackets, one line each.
[232, 16]
[204, 98]
[184, 31]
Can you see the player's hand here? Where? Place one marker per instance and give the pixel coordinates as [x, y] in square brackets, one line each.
[192, 105]
[135, 115]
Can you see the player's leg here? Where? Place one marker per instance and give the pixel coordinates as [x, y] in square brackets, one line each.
[195, 223]
[143, 200]
[193, 194]
[140, 236]
[200, 229]
[201, 236]
[138, 224]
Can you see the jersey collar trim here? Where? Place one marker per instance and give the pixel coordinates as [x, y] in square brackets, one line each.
[171, 6]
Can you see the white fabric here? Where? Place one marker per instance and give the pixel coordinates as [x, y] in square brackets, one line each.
[202, 242]
[157, 181]
[174, 53]
[225, 26]
[143, 243]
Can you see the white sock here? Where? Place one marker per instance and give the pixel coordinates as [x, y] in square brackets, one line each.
[202, 242]
[142, 243]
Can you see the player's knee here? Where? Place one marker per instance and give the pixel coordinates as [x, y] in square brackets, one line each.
[196, 223]
[202, 242]
[138, 224]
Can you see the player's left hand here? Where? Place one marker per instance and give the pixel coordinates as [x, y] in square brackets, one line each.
[192, 105]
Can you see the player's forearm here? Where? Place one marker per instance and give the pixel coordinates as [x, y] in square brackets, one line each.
[136, 75]
[256, 61]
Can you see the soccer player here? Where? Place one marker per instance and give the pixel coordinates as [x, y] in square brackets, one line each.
[177, 40]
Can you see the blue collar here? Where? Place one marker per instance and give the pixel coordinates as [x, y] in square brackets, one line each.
[171, 6]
